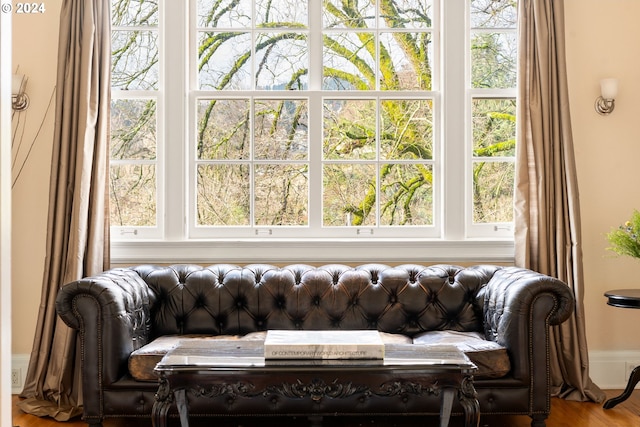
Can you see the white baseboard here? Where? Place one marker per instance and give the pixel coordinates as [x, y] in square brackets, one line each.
[19, 366]
[611, 369]
[608, 369]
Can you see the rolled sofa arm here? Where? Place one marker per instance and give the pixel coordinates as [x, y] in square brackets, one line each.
[111, 313]
[519, 307]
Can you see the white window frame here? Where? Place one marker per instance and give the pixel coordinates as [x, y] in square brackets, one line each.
[484, 230]
[177, 240]
[122, 236]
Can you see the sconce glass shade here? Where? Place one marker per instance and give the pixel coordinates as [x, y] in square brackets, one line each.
[19, 99]
[16, 84]
[606, 102]
[609, 88]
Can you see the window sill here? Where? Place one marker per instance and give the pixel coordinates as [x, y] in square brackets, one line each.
[289, 251]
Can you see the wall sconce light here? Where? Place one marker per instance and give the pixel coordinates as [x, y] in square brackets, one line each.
[19, 99]
[606, 102]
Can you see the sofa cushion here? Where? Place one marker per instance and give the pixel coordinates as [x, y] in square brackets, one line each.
[490, 357]
[143, 361]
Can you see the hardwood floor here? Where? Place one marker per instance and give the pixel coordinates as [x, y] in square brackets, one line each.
[563, 414]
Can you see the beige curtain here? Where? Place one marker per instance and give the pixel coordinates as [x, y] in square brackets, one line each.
[547, 231]
[77, 232]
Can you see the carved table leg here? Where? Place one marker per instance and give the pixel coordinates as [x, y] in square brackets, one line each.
[446, 405]
[469, 401]
[161, 406]
[183, 408]
[634, 378]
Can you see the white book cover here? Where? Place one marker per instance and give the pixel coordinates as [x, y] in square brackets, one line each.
[325, 344]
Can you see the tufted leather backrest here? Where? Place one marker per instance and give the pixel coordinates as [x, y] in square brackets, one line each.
[230, 299]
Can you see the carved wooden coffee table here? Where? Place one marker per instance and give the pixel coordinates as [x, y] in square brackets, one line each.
[237, 370]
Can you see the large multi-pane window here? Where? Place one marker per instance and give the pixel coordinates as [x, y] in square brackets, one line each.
[313, 119]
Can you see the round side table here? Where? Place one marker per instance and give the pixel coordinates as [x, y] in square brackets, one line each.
[624, 298]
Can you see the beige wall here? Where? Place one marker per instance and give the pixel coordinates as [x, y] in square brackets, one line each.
[601, 41]
[35, 47]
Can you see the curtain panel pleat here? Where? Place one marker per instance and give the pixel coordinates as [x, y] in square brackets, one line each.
[78, 229]
[547, 209]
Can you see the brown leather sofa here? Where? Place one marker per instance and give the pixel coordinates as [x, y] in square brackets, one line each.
[123, 312]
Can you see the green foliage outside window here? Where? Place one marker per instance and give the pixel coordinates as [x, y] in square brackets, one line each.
[253, 153]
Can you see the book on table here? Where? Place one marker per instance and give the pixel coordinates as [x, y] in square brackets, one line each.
[324, 344]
